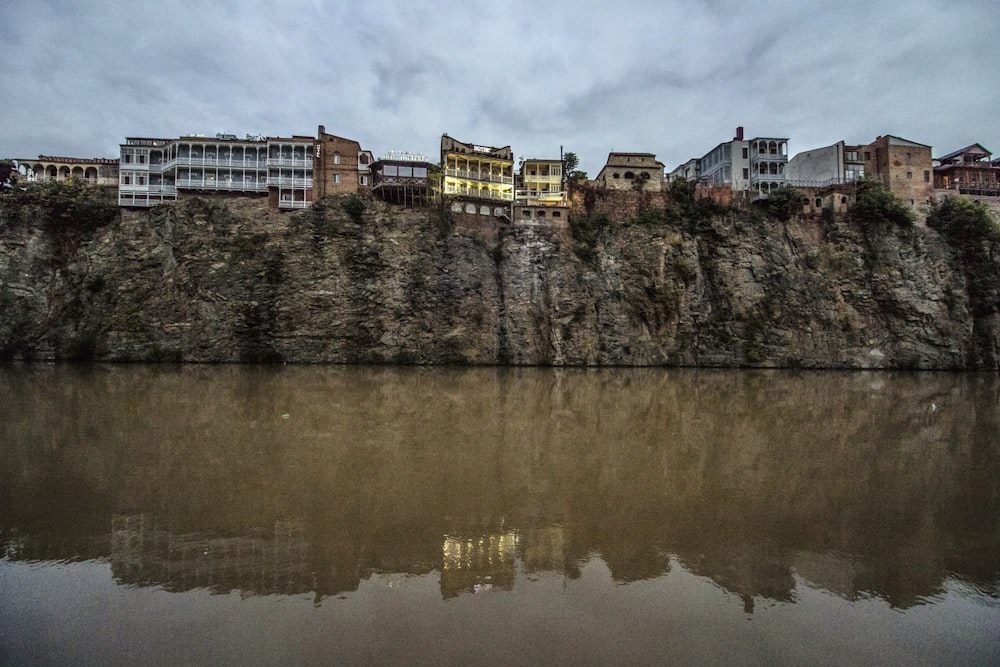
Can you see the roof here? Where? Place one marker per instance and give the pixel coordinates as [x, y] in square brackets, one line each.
[975, 149]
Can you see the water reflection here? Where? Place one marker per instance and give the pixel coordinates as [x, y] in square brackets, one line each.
[312, 480]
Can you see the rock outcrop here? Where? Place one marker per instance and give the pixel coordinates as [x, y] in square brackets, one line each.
[227, 280]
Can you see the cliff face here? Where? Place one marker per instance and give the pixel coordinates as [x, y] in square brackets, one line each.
[214, 280]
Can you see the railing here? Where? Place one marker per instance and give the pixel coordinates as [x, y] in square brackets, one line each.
[289, 162]
[479, 194]
[286, 181]
[802, 183]
[479, 176]
[213, 162]
[298, 203]
[233, 186]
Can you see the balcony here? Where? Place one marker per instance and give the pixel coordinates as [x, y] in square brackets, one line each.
[289, 182]
[293, 162]
[225, 186]
[479, 176]
[214, 162]
[540, 198]
[291, 204]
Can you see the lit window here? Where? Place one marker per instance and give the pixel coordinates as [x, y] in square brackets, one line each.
[336, 157]
[336, 179]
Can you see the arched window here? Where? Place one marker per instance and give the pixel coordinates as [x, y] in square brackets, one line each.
[629, 174]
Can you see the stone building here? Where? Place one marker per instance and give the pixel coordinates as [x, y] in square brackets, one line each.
[341, 165]
[968, 170]
[95, 171]
[904, 166]
[631, 171]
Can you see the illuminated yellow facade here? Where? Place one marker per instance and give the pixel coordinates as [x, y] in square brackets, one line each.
[541, 183]
[477, 172]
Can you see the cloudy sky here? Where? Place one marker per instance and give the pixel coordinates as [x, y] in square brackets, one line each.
[669, 77]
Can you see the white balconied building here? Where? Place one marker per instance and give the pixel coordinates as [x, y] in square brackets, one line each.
[152, 171]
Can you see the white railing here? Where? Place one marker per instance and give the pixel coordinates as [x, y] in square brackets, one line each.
[213, 162]
[233, 186]
[479, 176]
[286, 203]
[290, 162]
[287, 181]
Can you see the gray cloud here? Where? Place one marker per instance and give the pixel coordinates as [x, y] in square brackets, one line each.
[671, 77]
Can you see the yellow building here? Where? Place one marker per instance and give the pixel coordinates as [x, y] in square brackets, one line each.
[477, 173]
[541, 183]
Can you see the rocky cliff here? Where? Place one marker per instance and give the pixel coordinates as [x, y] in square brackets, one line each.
[633, 281]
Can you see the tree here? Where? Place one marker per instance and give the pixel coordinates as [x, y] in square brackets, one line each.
[8, 173]
[570, 163]
[876, 204]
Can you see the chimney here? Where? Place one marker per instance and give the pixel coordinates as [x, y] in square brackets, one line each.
[739, 133]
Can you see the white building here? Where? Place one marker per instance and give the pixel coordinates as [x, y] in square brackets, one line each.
[152, 170]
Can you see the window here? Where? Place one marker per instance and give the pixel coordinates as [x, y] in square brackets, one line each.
[746, 172]
[142, 158]
[336, 157]
[142, 180]
[927, 176]
[556, 214]
[406, 171]
[420, 172]
[390, 170]
[868, 156]
[336, 179]
[126, 179]
[362, 179]
[909, 175]
[852, 156]
[746, 153]
[127, 158]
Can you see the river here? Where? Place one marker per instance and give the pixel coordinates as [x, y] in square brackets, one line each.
[208, 515]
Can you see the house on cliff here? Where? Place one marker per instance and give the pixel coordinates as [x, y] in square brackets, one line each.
[539, 197]
[479, 178]
[93, 171]
[968, 170]
[290, 171]
[629, 171]
[904, 166]
[748, 168]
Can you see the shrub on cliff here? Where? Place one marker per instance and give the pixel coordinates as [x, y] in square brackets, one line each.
[875, 204]
[70, 202]
[783, 202]
[964, 221]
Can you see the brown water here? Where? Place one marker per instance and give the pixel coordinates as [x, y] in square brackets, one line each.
[344, 515]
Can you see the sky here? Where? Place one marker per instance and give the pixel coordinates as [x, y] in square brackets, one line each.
[674, 78]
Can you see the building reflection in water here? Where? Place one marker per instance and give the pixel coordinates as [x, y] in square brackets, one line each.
[759, 482]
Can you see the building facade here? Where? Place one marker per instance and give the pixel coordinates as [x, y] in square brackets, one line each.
[94, 171]
[968, 170]
[291, 171]
[631, 171]
[402, 178]
[481, 176]
[904, 166]
[830, 165]
[540, 196]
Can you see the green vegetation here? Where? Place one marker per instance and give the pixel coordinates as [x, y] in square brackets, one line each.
[783, 203]
[875, 204]
[586, 231]
[67, 202]
[354, 206]
[964, 221]
[685, 209]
